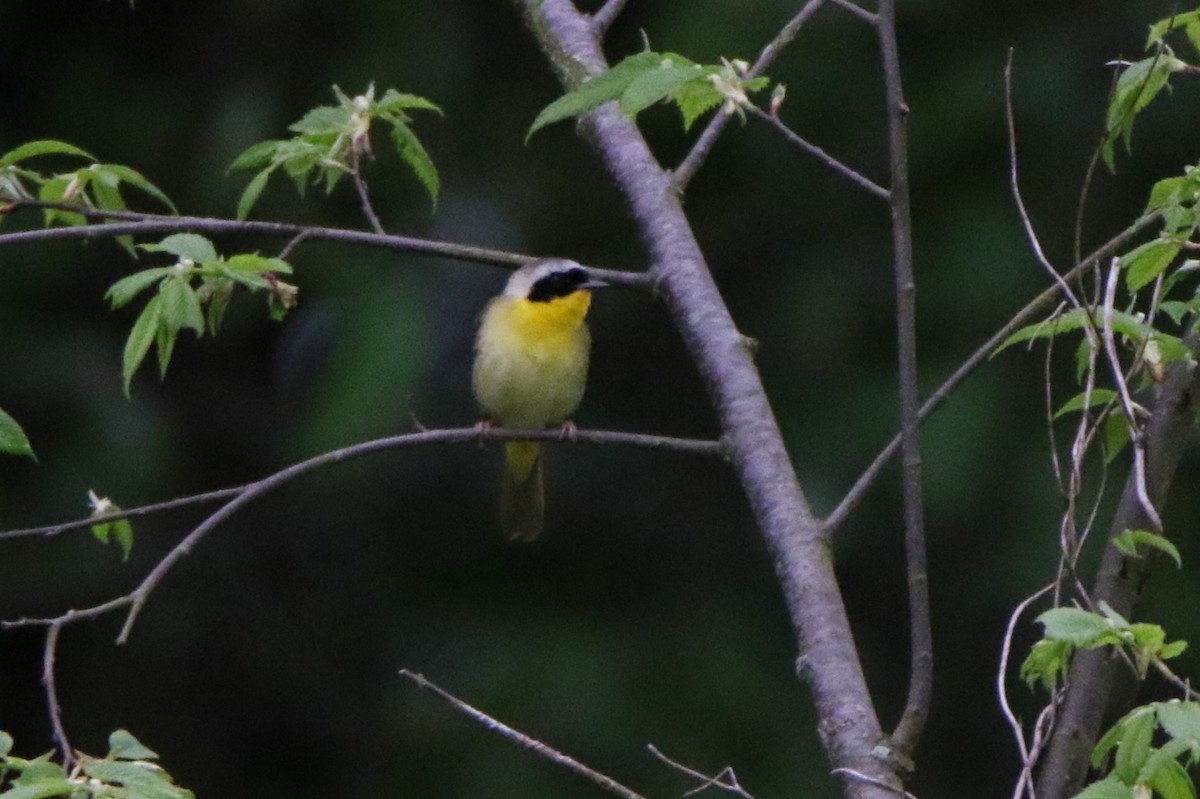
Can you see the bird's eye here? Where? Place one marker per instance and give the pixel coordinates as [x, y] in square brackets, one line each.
[558, 284]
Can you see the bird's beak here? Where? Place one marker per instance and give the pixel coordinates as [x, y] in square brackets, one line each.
[592, 284]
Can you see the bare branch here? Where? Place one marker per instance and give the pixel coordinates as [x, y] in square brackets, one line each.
[725, 779]
[1037, 305]
[799, 550]
[1027, 761]
[603, 19]
[521, 739]
[136, 599]
[137, 223]
[364, 200]
[868, 17]
[858, 179]
[53, 707]
[695, 158]
[920, 686]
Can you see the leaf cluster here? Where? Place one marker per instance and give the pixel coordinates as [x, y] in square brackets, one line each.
[643, 79]
[192, 294]
[92, 186]
[128, 771]
[331, 141]
[1139, 768]
[1068, 629]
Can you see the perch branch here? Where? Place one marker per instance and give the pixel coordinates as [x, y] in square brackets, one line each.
[603, 19]
[725, 779]
[603, 781]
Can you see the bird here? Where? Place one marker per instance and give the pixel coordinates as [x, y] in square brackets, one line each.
[531, 363]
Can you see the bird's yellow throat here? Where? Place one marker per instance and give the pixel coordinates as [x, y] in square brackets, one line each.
[543, 320]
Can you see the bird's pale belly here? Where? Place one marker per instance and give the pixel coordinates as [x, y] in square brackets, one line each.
[530, 389]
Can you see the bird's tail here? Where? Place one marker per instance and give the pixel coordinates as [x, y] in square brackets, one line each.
[522, 500]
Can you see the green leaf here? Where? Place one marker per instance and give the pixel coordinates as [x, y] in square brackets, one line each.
[1128, 542]
[393, 100]
[1166, 192]
[142, 780]
[220, 292]
[1175, 310]
[12, 438]
[1108, 788]
[323, 119]
[1181, 721]
[653, 85]
[123, 746]
[39, 769]
[192, 246]
[1073, 625]
[252, 191]
[41, 789]
[1137, 734]
[596, 91]
[1143, 264]
[6, 743]
[1046, 663]
[1065, 323]
[125, 289]
[1164, 26]
[249, 262]
[414, 155]
[1116, 436]
[257, 156]
[1137, 86]
[143, 334]
[42, 147]
[1171, 780]
[137, 180]
[164, 345]
[180, 305]
[1100, 396]
[694, 98]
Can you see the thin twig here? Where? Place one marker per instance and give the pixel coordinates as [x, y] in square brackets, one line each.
[136, 223]
[920, 686]
[603, 781]
[1014, 184]
[858, 775]
[857, 178]
[603, 19]
[1035, 306]
[53, 706]
[869, 17]
[1002, 686]
[690, 165]
[726, 780]
[364, 200]
[136, 599]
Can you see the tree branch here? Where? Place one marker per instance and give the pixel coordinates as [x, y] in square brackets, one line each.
[604, 781]
[1091, 683]
[849, 728]
[920, 686]
[53, 706]
[603, 19]
[724, 779]
[696, 157]
[1039, 304]
[857, 178]
[136, 223]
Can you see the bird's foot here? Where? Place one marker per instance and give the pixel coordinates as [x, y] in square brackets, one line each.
[569, 432]
[482, 428]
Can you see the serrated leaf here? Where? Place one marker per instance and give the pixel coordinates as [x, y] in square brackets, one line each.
[1165, 192]
[42, 147]
[139, 181]
[249, 262]
[13, 440]
[164, 345]
[220, 293]
[122, 745]
[180, 305]
[653, 85]
[192, 246]
[252, 191]
[143, 781]
[1100, 396]
[1108, 788]
[695, 98]
[125, 289]
[1116, 436]
[1129, 540]
[257, 156]
[393, 100]
[143, 334]
[1137, 734]
[596, 91]
[1046, 662]
[1065, 323]
[323, 119]
[413, 153]
[1073, 625]
[36, 770]
[1170, 780]
[1143, 264]
[1181, 720]
[1164, 26]
[41, 789]
[1175, 310]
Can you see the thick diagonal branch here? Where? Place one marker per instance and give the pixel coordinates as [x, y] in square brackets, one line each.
[849, 728]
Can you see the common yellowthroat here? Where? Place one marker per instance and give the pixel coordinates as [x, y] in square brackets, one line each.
[531, 361]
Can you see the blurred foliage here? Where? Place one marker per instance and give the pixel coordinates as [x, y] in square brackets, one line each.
[650, 613]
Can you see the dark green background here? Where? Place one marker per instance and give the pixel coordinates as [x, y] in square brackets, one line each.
[267, 662]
